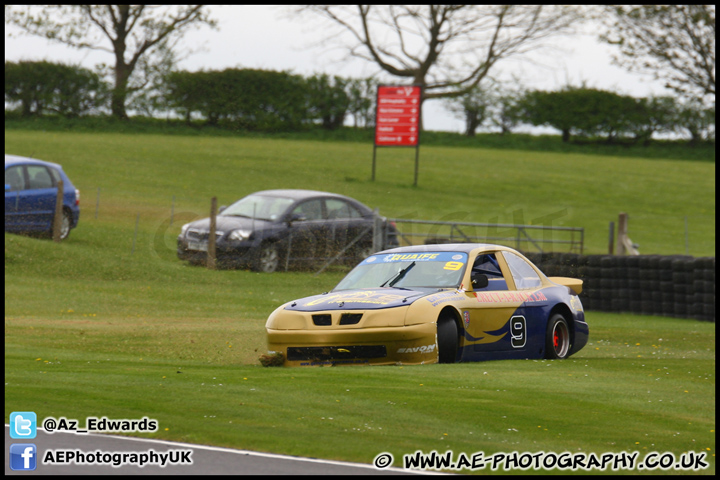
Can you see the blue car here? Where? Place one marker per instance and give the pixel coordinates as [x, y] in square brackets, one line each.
[31, 193]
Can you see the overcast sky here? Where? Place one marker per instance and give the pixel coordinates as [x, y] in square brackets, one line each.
[267, 37]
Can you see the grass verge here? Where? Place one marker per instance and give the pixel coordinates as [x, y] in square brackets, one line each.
[112, 324]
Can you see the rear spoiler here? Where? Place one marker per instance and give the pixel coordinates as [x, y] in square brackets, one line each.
[574, 283]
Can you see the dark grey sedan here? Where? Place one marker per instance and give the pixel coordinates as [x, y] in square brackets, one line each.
[271, 229]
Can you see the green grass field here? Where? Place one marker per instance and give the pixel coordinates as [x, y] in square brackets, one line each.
[95, 327]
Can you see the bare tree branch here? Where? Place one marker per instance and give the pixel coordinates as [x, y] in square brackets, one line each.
[675, 43]
[133, 32]
[447, 49]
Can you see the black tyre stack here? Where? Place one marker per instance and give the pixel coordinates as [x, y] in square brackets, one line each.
[672, 286]
[703, 305]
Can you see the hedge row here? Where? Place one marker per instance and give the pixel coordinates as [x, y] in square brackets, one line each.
[268, 100]
[672, 286]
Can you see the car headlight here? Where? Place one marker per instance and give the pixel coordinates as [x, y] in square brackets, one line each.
[239, 235]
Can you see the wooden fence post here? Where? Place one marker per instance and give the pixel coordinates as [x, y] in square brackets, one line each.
[211, 258]
[625, 246]
[621, 233]
[58, 216]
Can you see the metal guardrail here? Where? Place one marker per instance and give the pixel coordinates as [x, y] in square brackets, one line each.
[520, 237]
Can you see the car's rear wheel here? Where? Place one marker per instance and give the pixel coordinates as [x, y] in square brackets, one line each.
[268, 259]
[557, 342]
[65, 225]
[447, 338]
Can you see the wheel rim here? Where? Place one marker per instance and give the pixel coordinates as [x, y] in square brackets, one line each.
[65, 226]
[269, 260]
[561, 339]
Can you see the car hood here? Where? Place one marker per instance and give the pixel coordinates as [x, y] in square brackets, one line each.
[360, 299]
[226, 223]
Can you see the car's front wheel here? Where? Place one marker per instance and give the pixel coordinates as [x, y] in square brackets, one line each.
[447, 338]
[557, 342]
[268, 259]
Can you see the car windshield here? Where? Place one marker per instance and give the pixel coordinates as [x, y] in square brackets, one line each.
[407, 270]
[259, 207]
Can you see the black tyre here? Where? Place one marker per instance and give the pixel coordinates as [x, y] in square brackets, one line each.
[557, 340]
[447, 338]
[64, 226]
[268, 259]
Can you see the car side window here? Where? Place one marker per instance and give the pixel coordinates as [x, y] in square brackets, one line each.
[14, 177]
[56, 176]
[487, 264]
[311, 210]
[340, 209]
[354, 212]
[39, 177]
[524, 275]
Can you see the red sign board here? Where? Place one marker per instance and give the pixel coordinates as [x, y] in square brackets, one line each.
[398, 116]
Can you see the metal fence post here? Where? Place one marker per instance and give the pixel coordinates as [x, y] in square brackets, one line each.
[377, 231]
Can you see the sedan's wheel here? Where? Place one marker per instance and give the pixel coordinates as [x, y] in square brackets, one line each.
[447, 338]
[557, 343]
[268, 259]
[65, 225]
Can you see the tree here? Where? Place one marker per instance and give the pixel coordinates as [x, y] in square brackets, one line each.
[24, 84]
[132, 33]
[675, 43]
[581, 111]
[446, 49]
[505, 110]
[361, 92]
[327, 99]
[471, 107]
[494, 102]
[657, 114]
[697, 120]
[68, 90]
[249, 99]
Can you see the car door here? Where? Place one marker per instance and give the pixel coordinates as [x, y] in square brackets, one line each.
[307, 238]
[14, 184]
[488, 326]
[532, 314]
[344, 224]
[36, 203]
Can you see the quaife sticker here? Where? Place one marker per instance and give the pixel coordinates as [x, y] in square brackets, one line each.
[445, 257]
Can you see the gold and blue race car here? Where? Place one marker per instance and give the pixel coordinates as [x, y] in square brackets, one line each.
[433, 303]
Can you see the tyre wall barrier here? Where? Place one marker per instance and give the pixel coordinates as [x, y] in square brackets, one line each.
[671, 286]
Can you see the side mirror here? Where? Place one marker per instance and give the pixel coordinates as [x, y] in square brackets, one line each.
[479, 280]
[296, 217]
[222, 207]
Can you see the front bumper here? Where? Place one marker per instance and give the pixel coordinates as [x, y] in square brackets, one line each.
[401, 345]
[237, 256]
